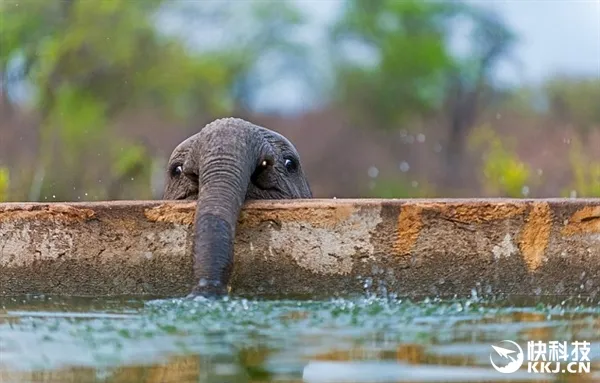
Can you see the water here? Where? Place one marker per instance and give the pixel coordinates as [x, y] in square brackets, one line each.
[361, 339]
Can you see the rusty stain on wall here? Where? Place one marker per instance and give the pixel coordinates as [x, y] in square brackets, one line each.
[108, 248]
[470, 212]
[181, 213]
[410, 220]
[326, 218]
[535, 235]
[409, 226]
[12, 212]
[583, 221]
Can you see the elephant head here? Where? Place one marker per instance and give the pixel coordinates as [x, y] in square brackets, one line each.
[228, 162]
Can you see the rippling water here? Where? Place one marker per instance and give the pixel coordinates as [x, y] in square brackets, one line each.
[50, 339]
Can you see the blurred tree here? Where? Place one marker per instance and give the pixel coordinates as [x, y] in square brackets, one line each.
[576, 101]
[586, 173]
[4, 184]
[469, 86]
[131, 162]
[87, 62]
[390, 58]
[406, 68]
[261, 39]
[268, 45]
[505, 175]
[522, 101]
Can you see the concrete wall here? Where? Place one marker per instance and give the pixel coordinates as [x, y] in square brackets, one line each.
[410, 247]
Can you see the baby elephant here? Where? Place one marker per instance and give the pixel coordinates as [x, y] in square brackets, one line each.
[228, 162]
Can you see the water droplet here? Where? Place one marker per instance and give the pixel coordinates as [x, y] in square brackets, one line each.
[414, 184]
[404, 166]
[573, 194]
[525, 190]
[437, 148]
[373, 172]
[421, 137]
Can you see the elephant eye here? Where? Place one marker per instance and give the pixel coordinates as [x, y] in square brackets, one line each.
[176, 170]
[291, 165]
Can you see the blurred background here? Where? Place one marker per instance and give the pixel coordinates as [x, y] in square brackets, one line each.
[383, 98]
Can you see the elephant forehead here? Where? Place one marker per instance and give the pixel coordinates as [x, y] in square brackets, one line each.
[231, 127]
[229, 124]
[184, 146]
[279, 139]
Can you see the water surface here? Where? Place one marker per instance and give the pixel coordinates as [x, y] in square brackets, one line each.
[52, 339]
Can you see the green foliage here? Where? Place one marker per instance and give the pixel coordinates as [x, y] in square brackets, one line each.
[401, 188]
[519, 100]
[586, 173]
[407, 40]
[90, 62]
[132, 170]
[504, 173]
[575, 100]
[110, 49]
[130, 159]
[268, 34]
[256, 32]
[4, 184]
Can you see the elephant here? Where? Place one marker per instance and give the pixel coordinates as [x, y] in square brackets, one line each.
[228, 162]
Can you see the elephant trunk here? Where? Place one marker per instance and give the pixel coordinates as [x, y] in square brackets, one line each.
[225, 166]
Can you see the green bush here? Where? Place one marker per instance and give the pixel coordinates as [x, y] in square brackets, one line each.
[4, 184]
[504, 173]
[401, 188]
[586, 173]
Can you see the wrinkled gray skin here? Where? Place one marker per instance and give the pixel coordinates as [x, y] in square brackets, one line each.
[228, 162]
